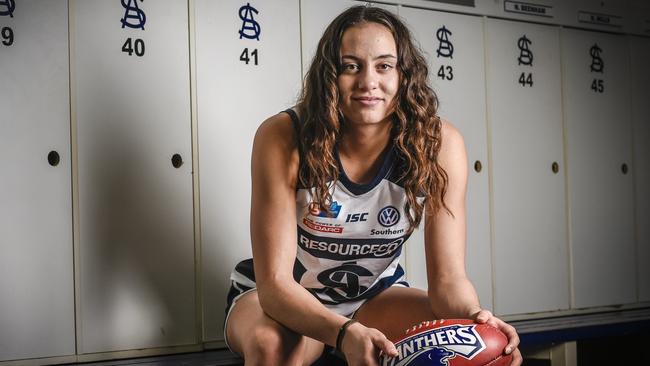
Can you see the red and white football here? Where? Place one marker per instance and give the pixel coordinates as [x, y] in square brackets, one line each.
[450, 342]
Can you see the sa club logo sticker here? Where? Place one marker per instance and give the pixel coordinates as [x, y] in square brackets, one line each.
[388, 216]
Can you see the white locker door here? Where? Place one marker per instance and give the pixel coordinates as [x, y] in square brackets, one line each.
[453, 46]
[598, 126]
[136, 270]
[640, 57]
[36, 259]
[531, 257]
[248, 69]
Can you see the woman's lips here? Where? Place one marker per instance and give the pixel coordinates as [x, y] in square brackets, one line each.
[367, 101]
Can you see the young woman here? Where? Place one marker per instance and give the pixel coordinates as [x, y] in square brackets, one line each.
[339, 183]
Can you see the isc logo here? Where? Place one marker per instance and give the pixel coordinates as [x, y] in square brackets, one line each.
[357, 217]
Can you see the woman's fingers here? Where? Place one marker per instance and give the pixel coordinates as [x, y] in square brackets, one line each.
[362, 345]
[517, 359]
[383, 344]
[509, 331]
[486, 317]
[483, 316]
[513, 337]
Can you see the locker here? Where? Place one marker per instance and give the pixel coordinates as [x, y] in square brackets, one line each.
[36, 258]
[247, 69]
[136, 244]
[598, 127]
[640, 59]
[528, 190]
[453, 46]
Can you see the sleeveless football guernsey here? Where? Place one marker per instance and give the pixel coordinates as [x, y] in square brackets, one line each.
[351, 254]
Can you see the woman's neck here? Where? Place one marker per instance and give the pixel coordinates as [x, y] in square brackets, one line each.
[366, 141]
[361, 149]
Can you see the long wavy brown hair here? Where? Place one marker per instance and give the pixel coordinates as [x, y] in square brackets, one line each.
[416, 129]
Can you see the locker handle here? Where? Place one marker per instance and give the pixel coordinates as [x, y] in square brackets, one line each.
[555, 167]
[53, 158]
[177, 161]
[478, 166]
[624, 168]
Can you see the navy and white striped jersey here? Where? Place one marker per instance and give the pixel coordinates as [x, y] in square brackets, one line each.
[352, 254]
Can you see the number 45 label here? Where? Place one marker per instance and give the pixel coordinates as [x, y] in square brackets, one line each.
[598, 86]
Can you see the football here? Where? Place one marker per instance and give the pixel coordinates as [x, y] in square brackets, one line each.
[450, 342]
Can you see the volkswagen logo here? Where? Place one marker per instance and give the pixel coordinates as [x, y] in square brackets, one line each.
[388, 216]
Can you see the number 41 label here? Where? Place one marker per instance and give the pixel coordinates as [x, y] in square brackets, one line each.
[248, 56]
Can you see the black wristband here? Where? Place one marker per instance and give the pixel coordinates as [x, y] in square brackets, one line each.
[344, 327]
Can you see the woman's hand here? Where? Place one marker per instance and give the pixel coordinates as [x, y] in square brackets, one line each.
[486, 317]
[361, 345]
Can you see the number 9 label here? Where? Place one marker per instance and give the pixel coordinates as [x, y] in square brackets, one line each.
[7, 36]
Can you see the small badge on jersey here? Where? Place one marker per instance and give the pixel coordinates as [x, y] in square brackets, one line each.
[335, 209]
[322, 227]
[388, 216]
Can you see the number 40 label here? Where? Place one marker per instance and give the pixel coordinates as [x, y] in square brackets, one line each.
[130, 47]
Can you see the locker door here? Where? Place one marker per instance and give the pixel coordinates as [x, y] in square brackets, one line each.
[248, 69]
[597, 111]
[136, 270]
[529, 207]
[36, 259]
[453, 45]
[640, 57]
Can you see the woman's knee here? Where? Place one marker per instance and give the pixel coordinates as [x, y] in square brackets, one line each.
[273, 345]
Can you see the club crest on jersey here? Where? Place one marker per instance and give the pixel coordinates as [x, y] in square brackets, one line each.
[437, 346]
[335, 208]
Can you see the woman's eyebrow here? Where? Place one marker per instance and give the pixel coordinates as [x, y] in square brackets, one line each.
[388, 55]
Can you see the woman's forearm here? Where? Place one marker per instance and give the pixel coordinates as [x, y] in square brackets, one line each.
[455, 298]
[294, 307]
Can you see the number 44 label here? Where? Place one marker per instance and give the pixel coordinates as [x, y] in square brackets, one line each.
[526, 79]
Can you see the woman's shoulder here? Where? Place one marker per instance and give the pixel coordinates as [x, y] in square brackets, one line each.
[450, 132]
[275, 146]
[453, 145]
[277, 130]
